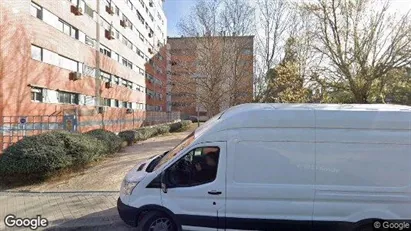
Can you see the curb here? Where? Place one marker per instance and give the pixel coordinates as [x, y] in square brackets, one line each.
[57, 192]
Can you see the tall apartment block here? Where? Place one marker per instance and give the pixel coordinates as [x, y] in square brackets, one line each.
[81, 65]
[101, 62]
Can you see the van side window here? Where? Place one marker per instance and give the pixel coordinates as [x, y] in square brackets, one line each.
[199, 166]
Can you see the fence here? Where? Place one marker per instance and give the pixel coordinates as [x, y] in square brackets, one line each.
[14, 128]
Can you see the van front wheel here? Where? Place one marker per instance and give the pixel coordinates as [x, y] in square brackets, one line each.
[156, 221]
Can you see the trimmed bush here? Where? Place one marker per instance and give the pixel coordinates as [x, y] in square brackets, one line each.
[111, 141]
[36, 157]
[130, 136]
[186, 123]
[84, 148]
[145, 133]
[163, 129]
[174, 127]
[39, 155]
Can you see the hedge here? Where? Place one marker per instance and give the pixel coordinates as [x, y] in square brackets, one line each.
[111, 141]
[144, 133]
[41, 155]
[163, 129]
[130, 136]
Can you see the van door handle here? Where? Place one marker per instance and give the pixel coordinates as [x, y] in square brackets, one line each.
[214, 192]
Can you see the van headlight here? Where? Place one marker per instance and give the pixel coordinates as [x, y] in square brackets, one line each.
[128, 187]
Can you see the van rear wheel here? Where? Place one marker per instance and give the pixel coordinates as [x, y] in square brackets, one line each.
[156, 221]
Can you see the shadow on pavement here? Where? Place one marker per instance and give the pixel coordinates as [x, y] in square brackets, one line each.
[104, 220]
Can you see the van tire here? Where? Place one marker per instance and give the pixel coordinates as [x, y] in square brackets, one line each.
[154, 216]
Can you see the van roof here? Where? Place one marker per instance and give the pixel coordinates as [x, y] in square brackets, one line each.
[377, 116]
[239, 109]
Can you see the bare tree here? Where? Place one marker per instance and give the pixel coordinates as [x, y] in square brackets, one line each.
[211, 66]
[274, 19]
[359, 42]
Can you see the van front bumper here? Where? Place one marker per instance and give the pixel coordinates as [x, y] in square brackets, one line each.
[127, 213]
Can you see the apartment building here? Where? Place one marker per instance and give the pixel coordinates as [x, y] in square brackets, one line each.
[210, 73]
[101, 62]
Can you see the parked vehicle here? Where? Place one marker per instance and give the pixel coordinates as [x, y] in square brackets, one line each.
[279, 166]
[193, 119]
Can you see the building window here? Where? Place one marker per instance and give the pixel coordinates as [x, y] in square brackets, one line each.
[124, 104]
[124, 82]
[105, 50]
[127, 42]
[127, 63]
[89, 41]
[67, 97]
[141, 71]
[116, 80]
[36, 53]
[68, 64]
[115, 56]
[89, 11]
[117, 34]
[116, 103]
[36, 94]
[105, 76]
[36, 11]
[68, 29]
[107, 102]
[89, 71]
[105, 24]
[140, 17]
[130, 84]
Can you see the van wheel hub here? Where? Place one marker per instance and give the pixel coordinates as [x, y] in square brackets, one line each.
[161, 224]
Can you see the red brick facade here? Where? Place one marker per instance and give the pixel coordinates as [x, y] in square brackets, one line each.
[20, 30]
[184, 54]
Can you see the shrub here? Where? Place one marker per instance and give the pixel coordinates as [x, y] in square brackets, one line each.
[145, 133]
[38, 155]
[163, 129]
[84, 148]
[130, 136]
[175, 126]
[111, 141]
[186, 123]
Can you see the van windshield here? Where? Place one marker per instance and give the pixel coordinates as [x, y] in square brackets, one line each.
[172, 153]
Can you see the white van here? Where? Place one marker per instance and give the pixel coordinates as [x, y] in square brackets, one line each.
[282, 167]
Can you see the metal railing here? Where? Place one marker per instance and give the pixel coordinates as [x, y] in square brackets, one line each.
[15, 128]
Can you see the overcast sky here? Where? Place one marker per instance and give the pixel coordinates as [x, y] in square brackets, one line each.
[176, 9]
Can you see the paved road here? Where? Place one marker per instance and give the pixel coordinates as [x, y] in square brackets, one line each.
[64, 211]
